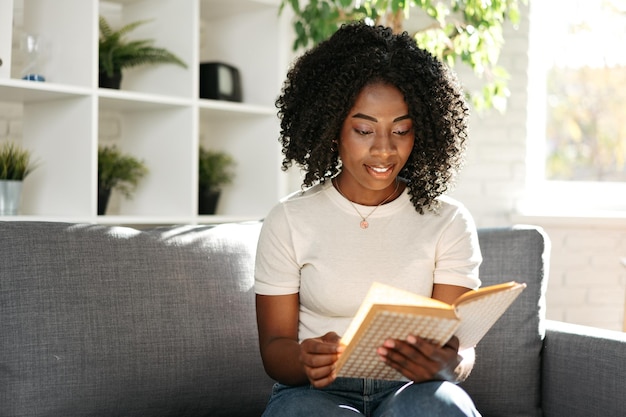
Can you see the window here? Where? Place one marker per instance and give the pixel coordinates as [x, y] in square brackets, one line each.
[577, 115]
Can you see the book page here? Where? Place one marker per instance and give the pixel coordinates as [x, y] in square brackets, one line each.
[386, 294]
[479, 314]
[389, 312]
[360, 359]
[481, 292]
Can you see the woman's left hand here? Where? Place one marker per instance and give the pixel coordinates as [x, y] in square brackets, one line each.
[420, 360]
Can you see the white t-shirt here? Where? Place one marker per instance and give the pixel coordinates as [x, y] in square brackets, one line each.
[311, 243]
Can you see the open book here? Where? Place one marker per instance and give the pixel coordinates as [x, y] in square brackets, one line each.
[389, 312]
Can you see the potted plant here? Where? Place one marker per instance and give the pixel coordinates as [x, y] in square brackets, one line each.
[214, 171]
[118, 171]
[15, 165]
[116, 53]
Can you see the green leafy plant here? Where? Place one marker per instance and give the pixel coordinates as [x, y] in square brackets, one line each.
[215, 169]
[116, 52]
[15, 162]
[119, 171]
[466, 31]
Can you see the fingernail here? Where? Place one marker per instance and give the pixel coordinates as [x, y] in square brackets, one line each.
[411, 339]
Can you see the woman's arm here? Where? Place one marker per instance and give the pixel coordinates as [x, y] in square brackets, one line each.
[449, 294]
[286, 360]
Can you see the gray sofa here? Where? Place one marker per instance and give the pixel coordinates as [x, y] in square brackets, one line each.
[112, 321]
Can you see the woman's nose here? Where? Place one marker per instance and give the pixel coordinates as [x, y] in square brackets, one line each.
[383, 145]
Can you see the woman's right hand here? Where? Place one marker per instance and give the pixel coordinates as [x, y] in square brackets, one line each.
[285, 359]
[318, 357]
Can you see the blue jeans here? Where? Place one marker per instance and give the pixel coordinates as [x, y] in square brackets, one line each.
[372, 398]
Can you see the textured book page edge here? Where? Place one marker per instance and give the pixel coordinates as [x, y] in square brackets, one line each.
[379, 293]
[377, 369]
[360, 359]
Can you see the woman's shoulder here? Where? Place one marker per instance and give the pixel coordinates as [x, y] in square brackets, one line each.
[298, 200]
[304, 196]
[451, 207]
[450, 203]
[452, 211]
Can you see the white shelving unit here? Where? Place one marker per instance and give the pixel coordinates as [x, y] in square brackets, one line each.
[161, 118]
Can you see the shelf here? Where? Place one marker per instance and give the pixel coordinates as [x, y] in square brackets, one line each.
[141, 221]
[225, 109]
[33, 91]
[156, 116]
[58, 219]
[133, 101]
[159, 221]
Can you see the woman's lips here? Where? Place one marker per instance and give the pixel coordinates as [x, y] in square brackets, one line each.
[380, 170]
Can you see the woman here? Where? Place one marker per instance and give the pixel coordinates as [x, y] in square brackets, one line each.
[379, 127]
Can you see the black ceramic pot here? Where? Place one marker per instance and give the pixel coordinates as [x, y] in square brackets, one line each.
[103, 200]
[207, 201]
[104, 81]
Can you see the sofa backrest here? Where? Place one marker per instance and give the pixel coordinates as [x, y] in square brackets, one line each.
[506, 380]
[111, 321]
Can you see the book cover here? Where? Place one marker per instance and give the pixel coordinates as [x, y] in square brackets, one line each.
[389, 312]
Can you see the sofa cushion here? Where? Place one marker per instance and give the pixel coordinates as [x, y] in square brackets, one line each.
[512, 386]
[112, 321]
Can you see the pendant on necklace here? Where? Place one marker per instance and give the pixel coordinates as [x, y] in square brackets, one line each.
[364, 224]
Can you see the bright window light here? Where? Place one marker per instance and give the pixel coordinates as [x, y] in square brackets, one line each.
[577, 111]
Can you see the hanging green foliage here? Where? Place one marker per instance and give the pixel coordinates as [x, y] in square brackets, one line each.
[456, 31]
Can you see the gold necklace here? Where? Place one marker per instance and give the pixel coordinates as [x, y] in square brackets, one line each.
[364, 224]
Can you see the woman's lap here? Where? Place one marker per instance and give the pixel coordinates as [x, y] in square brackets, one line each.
[372, 398]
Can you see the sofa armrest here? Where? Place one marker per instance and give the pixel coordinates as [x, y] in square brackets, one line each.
[583, 371]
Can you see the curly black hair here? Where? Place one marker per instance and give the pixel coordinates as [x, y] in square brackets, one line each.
[323, 84]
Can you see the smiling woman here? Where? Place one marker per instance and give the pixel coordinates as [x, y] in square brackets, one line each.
[312, 121]
[376, 141]
[379, 126]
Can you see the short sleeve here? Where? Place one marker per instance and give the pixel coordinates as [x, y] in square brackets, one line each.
[458, 256]
[276, 270]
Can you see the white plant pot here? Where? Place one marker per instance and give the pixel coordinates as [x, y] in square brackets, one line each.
[10, 196]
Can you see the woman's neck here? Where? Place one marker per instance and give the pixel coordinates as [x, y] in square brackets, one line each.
[370, 197]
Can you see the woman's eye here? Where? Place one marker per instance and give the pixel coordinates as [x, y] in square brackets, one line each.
[363, 132]
[402, 132]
